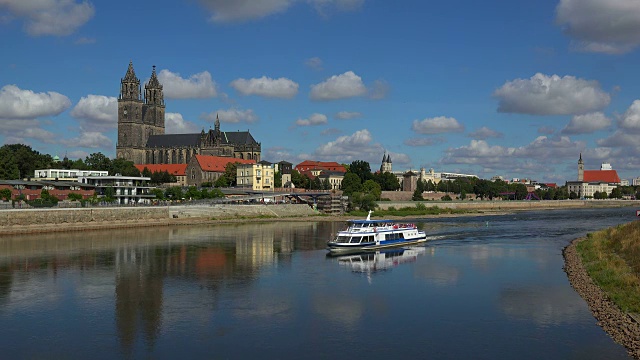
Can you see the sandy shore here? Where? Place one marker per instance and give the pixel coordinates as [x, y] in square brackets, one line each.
[622, 327]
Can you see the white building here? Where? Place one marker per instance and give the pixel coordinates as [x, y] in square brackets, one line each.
[65, 174]
[126, 189]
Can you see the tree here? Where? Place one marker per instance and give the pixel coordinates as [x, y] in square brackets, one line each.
[351, 183]
[109, 194]
[97, 161]
[174, 193]
[417, 195]
[231, 173]
[616, 193]
[373, 188]
[5, 194]
[221, 182]
[362, 169]
[277, 179]
[193, 193]
[363, 201]
[146, 172]
[18, 161]
[299, 180]
[158, 193]
[123, 167]
[74, 196]
[387, 181]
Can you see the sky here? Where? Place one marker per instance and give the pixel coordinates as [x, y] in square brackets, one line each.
[517, 89]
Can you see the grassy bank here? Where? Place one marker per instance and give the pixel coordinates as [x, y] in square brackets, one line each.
[418, 210]
[612, 259]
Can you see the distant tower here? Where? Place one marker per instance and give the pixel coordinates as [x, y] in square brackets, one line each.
[580, 169]
[153, 110]
[386, 163]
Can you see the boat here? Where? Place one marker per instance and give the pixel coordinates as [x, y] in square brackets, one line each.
[367, 235]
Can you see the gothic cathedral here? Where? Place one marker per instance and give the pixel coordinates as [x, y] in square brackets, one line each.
[141, 130]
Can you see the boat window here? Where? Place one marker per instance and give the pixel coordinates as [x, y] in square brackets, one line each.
[355, 239]
[343, 239]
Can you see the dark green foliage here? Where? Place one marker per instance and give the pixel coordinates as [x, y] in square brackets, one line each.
[351, 183]
[123, 167]
[5, 194]
[18, 161]
[74, 197]
[362, 169]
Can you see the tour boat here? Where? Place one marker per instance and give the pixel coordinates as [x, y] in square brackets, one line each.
[364, 235]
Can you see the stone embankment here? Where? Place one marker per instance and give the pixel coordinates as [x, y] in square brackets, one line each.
[19, 221]
[502, 205]
[622, 327]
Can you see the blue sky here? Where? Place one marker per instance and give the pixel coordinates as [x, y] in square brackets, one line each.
[496, 87]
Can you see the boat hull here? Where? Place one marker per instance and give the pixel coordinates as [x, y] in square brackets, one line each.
[344, 248]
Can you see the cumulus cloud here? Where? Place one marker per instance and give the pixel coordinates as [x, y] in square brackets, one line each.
[226, 11]
[18, 131]
[357, 146]
[347, 115]
[620, 139]
[424, 141]
[533, 159]
[314, 63]
[16, 103]
[484, 133]
[89, 139]
[175, 124]
[342, 86]
[437, 125]
[551, 95]
[313, 120]
[611, 26]
[51, 17]
[231, 116]
[97, 110]
[586, 124]
[630, 120]
[267, 87]
[197, 86]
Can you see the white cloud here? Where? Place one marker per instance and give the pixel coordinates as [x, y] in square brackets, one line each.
[611, 26]
[197, 86]
[437, 125]
[379, 90]
[231, 116]
[17, 131]
[551, 95]
[175, 124]
[277, 153]
[242, 10]
[620, 139]
[26, 104]
[226, 11]
[347, 115]
[342, 86]
[267, 87]
[424, 141]
[314, 119]
[50, 17]
[586, 124]
[358, 146]
[89, 139]
[314, 63]
[484, 133]
[97, 110]
[630, 120]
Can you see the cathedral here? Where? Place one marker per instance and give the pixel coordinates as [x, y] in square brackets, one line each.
[141, 136]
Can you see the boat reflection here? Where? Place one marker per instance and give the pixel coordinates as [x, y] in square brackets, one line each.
[373, 261]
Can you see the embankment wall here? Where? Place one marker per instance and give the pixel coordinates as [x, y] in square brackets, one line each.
[511, 205]
[223, 211]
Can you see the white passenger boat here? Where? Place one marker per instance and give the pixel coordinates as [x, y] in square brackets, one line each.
[364, 235]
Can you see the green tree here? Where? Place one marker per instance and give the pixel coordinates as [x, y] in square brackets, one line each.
[417, 195]
[387, 181]
[146, 172]
[231, 173]
[221, 182]
[193, 193]
[363, 201]
[616, 193]
[158, 193]
[351, 183]
[18, 161]
[174, 193]
[109, 194]
[277, 179]
[5, 194]
[362, 169]
[98, 161]
[74, 196]
[373, 188]
[300, 181]
[216, 193]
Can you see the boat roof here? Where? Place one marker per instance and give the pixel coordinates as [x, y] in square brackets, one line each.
[370, 221]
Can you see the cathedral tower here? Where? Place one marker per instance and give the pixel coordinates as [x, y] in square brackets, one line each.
[153, 110]
[130, 108]
[386, 165]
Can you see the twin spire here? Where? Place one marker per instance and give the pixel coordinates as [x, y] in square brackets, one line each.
[130, 87]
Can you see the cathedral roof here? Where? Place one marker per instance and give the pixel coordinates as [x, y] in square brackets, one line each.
[130, 76]
[154, 82]
[173, 140]
[238, 137]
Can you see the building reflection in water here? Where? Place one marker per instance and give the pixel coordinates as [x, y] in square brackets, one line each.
[374, 261]
[142, 259]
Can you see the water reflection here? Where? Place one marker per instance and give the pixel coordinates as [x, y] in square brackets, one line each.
[373, 261]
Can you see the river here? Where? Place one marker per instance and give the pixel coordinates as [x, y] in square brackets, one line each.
[482, 287]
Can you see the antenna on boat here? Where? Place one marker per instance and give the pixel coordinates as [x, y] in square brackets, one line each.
[369, 215]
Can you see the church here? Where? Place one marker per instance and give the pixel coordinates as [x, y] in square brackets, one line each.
[141, 130]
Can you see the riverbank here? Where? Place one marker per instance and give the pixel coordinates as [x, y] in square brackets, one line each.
[624, 328]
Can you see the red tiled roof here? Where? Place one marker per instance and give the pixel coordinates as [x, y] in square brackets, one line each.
[608, 176]
[218, 163]
[173, 169]
[320, 165]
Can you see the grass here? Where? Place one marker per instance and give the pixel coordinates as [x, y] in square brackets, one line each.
[611, 257]
[419, 209]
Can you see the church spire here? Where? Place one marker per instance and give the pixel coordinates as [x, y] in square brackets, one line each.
[153, 90]
[130, 85]
[217, 124]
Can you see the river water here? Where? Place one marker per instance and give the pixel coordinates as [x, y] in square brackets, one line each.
[482, 287]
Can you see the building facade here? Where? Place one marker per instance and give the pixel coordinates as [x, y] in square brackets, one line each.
[259, 177]
[141, 130]
[591, 181]
[205, 168]
[126, 189]
[65, 174]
